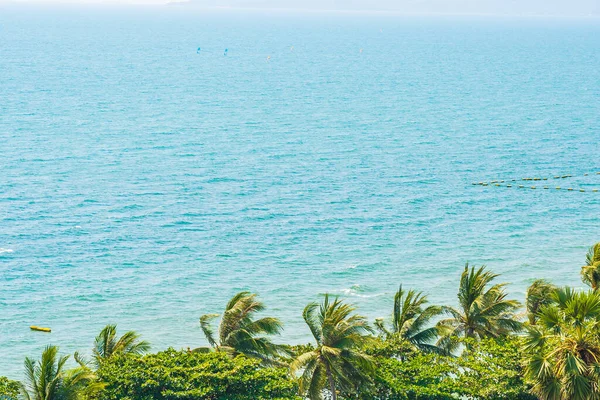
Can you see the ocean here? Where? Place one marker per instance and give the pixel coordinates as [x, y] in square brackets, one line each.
[146, 176]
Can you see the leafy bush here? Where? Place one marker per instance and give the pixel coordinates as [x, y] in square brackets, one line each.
[404, 373]
[489, 370]
[181, 375]
[423, 377]
[8, 389]
[492, 370]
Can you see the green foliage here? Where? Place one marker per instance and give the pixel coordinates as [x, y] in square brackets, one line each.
[488, 370]
[47, 378]
[484, 310]
[492, 369]
[107, 345]
[563, 349]
[239, 333]
[424, 376]
[180, 375]
[298, 349]
[9, 390]
[411, 320]
[590, 272]
[293, 351]
[337, 361]
[405, 373]
[538, 295]
[392, 347]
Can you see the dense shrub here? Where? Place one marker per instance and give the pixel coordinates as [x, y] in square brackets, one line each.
[489, 370]
[8, 389]
[493, 370]
[404, 373]
[425, 376]
[181, 375]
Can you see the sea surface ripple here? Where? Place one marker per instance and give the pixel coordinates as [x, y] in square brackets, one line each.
[143, 183]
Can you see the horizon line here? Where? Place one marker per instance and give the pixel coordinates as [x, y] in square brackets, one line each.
[189, 4]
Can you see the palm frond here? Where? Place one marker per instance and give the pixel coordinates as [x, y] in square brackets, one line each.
[317, 382]
[207, 329]
[240, 333]
[129, 343]
[340, 334]
[302, 361]
[563, 348]
[314, 320]
[539, 294]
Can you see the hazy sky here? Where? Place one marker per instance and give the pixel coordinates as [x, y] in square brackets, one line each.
[495, 7]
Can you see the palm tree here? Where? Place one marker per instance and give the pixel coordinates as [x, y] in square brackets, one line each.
[239, 333]
[410, 320]
[590, 272]
[337, 360]
[563, 349]
[107, 345]
[47, 378]
[484, 310]
[538, 295]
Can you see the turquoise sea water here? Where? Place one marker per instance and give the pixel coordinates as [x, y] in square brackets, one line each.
[143, 184]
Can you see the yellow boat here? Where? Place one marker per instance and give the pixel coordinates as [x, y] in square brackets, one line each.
[40, 328]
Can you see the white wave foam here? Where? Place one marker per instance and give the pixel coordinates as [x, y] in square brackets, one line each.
[3, 250]
[355, 291]
[348, 292]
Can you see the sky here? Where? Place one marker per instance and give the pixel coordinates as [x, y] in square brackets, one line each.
[491, 7]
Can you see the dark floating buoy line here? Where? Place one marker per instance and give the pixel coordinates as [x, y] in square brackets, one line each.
[519, 183]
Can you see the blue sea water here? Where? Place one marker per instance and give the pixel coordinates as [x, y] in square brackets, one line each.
[143, 184]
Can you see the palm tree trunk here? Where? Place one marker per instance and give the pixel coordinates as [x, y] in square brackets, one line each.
[331, 382]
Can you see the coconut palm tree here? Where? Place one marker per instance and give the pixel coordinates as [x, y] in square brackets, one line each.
[336, 361]
[539, 294]
[239, 333]
[411, 320]
[590, 272]
[107, 344]
[484, 311]
[47, 378]
[563, 349]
